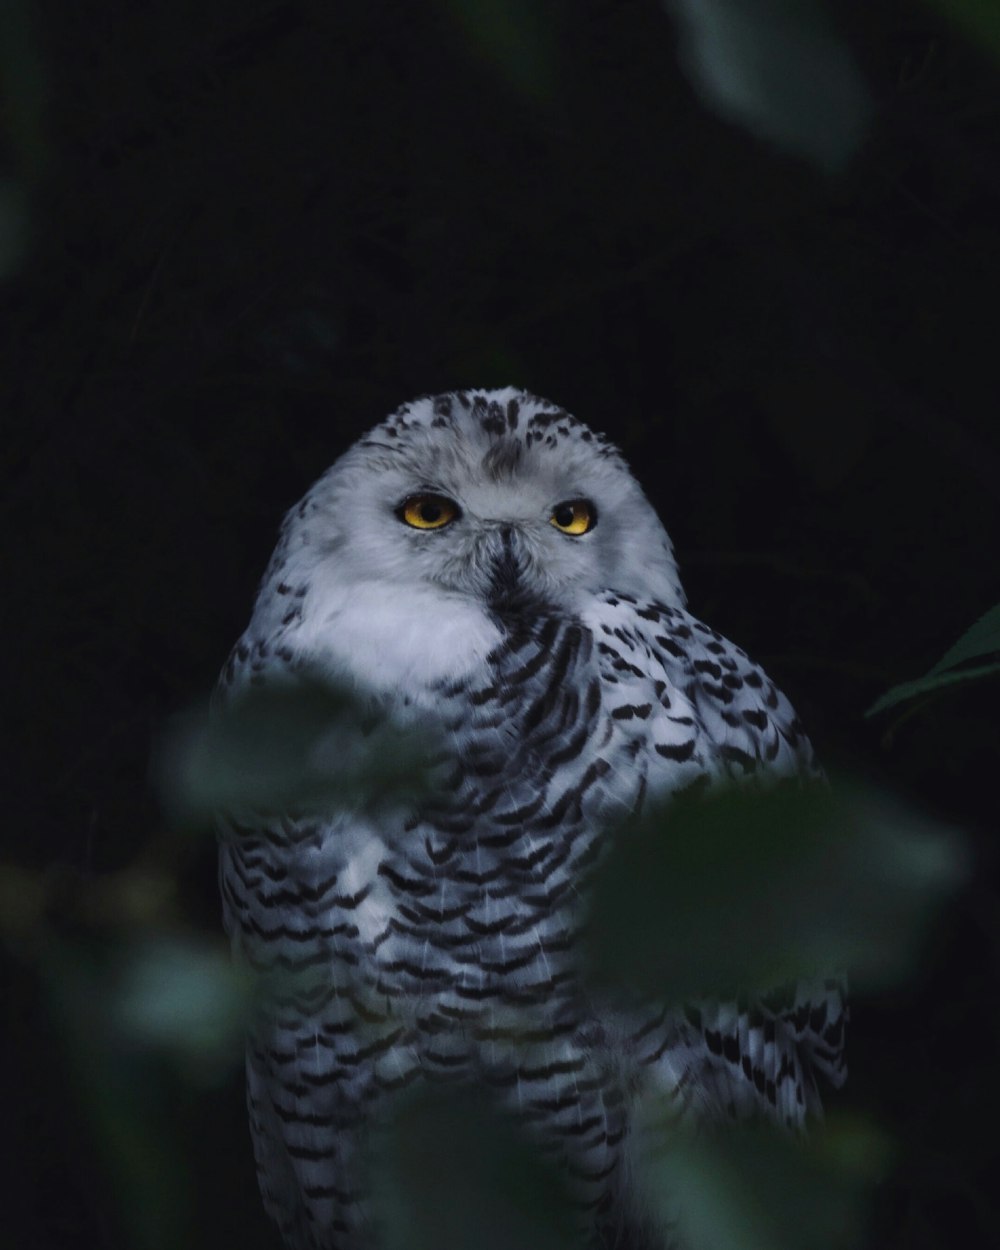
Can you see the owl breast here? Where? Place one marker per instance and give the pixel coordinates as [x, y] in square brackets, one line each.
[554, 740]
[443, 942]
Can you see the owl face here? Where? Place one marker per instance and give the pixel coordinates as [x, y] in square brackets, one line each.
[495, 497]
[456, 514]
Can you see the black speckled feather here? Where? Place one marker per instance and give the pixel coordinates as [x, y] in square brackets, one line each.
[440, 942]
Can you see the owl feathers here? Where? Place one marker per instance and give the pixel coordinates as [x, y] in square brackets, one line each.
[484, 568]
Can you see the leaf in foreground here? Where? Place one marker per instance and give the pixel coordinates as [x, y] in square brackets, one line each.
[777, 68]
[120, 1086]
[754, 1188]
[184, 998]
[745, 890]
[291, 746]
[450, 1173]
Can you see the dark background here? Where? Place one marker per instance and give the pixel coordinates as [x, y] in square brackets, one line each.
[253, 228]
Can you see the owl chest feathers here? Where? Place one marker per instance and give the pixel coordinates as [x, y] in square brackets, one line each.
[556, 729]
[474, 892]
[454, 569]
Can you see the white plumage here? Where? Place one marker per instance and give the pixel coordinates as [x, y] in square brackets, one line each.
[483, 565]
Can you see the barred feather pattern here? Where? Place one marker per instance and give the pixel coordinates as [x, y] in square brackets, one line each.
[446, 947]
[440, 943]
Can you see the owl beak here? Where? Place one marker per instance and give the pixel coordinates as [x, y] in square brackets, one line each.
[506, 567]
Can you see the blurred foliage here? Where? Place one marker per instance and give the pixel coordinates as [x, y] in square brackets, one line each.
[980, 640]
[747, 890]
[184, 999]
[300, 745]
[777, 68]
[237, 234]
[125, 1010]
[754, 1189]
[450, 1172]
[734, 891]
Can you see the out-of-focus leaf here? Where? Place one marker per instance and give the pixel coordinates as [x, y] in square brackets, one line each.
[449, 1173]
[286, 747]
[755, 1189]
[121, 1088]
[184, 998]
[979, 18]
[982, 638]
[775, 67]
[745, 890]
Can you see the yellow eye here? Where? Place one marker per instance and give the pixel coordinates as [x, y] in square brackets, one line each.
[427, 512]
[575, 516]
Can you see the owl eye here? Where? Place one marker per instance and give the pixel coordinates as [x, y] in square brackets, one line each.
[575, 516]
[427, 512]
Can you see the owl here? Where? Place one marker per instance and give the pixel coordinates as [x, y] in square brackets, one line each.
[483, 568]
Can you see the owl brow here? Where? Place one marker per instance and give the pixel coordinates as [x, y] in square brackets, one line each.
[425, 488]
[503, 458]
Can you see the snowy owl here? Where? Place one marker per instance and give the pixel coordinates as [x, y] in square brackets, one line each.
[483, 564]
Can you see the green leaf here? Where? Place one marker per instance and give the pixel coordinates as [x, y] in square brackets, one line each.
[122, 1090]
[982, 638]
[450, 1172]
[291, 746]
[927, 685]
[776, 67]
[185, 998]
[745, 890]
[751, 1188]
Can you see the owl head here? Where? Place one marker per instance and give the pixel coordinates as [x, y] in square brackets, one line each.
[490, 503]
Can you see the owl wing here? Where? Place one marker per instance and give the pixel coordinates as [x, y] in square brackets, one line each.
[706, 714]
[315, 1051]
